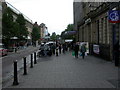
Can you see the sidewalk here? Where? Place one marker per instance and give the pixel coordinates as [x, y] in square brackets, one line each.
[7, 62]
[65, 71]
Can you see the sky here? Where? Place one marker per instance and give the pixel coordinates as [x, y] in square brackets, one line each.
[55, 14]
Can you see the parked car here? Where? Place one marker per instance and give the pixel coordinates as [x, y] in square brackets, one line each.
[3, 50]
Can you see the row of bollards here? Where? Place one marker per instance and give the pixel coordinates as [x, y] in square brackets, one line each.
[15, 81]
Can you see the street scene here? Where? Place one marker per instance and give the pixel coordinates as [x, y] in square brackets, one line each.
[77, 49]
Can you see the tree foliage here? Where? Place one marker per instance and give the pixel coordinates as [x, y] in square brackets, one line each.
[13, 28]
[7, 22]
[22, 33]
[35, 34]
[69, 27]
[53, 36]
[64, 34]
[7, 26]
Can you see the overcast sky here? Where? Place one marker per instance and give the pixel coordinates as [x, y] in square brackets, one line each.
[56, 14]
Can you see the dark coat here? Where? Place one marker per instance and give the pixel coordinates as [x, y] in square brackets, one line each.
[76, 48]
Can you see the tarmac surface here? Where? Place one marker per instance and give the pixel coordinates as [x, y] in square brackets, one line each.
[65, 71]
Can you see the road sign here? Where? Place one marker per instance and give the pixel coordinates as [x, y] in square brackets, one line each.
[114, 16]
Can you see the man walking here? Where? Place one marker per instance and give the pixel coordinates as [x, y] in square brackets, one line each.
[83, 50]
[76, 49]
[60, 48]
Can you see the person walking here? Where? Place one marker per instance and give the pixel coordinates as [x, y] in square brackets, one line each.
[83, 50]
[53, 49]
[64, 47]
[57, 51]
[60, 48]
[76, 49]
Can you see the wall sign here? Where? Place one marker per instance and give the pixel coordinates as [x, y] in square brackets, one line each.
[96, 49]
[114, 16]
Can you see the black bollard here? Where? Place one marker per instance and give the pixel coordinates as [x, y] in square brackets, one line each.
[25, 66]
[31, 61]
[15, 82]
[35, 62]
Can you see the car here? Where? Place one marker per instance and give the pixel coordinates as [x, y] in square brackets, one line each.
[3, 50]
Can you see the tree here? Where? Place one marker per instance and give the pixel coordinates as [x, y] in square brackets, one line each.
[15, 29]
[65, 34]
[58, 36]
[7, 26]
[7, 22]
[53, 36]
[48, 34]
[11, 28]
[35, 34]
[69, 27]
[23, 33]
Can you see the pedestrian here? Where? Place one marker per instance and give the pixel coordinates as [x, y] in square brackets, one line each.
[41, 52]
[45, 49]
[64, 48]
[60, 48]
[57, 51]
[53, 48]
[83, 50]
[76, 49]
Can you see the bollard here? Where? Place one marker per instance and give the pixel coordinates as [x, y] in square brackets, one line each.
[35, 62]
[15, 82]
[25, 66]
[31, 61]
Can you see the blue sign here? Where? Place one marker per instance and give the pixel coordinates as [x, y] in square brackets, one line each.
[114, 16]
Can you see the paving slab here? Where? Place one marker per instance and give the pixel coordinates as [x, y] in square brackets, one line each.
[65, 71]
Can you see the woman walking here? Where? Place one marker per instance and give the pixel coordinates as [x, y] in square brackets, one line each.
[83, 50]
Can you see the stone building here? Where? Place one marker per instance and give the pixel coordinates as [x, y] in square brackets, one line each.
[43, 31]
[78, 17]
[96, 29]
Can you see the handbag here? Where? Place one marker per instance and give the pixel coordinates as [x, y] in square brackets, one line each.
[80, 54]
[73, 53]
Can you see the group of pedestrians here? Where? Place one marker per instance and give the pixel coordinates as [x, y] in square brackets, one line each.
[81, 49]
[58, 48]
[53, 49]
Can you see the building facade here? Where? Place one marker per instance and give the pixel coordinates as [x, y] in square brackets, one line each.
[96, 29]
[43, 32]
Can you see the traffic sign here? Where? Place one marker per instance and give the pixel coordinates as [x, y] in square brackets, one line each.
[114, 16]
